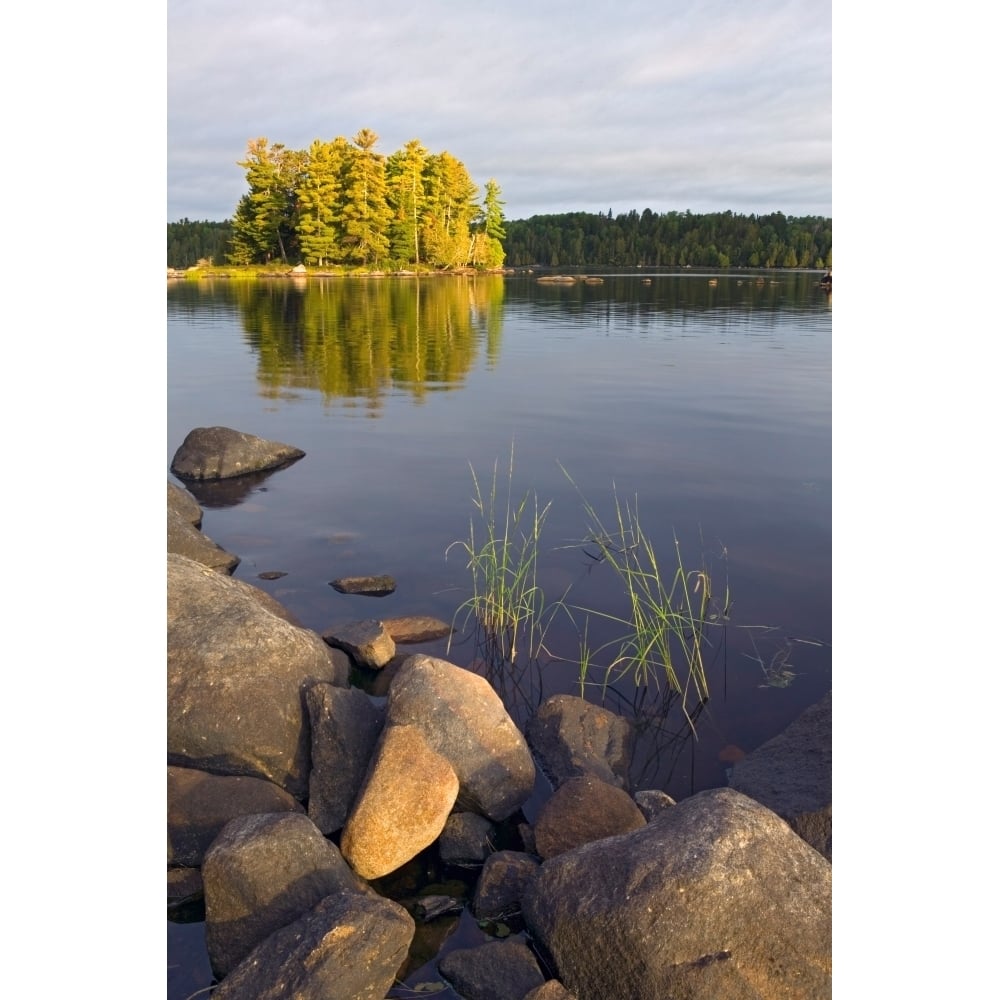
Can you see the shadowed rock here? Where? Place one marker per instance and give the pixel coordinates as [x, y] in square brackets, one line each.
[497, 970]
[222, 453]
[501, 884]
[345, 725]
[465, 839]
[199, 805]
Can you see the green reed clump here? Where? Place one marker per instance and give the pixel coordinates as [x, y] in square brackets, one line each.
[506, 603]
[662, 636]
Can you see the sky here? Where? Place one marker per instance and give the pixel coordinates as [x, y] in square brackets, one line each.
[589, 105]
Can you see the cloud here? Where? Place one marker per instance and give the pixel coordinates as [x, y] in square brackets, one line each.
[578, 104]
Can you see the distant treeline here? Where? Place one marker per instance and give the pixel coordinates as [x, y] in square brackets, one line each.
[189, 242]
[674, 239]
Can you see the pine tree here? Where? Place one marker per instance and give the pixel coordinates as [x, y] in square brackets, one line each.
[366, 211]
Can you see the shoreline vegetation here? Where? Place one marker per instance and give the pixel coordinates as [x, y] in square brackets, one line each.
[718, 240]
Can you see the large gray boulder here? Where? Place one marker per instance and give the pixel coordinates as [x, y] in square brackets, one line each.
[464, 720]
[237, 673]
[717, 897]
[348, 947]
[570, 737]
[199, 805]
[261, 873]
[792, 775]
[222, 453]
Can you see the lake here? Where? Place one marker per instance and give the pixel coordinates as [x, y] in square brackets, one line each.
[700, 402]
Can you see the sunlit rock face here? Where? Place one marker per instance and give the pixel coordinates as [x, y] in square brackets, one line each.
[404, 805]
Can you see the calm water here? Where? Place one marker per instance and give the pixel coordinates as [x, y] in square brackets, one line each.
[707, 405]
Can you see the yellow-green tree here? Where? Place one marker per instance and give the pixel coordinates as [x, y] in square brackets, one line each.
[366, 210]
[321, 202]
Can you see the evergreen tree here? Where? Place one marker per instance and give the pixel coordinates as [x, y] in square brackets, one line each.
[405, 191]
[366, 209]
[272, 174]
[320, 202]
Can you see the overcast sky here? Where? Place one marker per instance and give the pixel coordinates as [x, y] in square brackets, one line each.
[586, 105]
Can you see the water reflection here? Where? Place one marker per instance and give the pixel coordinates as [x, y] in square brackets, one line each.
[358, 339]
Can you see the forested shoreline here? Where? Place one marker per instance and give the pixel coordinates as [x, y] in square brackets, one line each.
[341, 205]
[583, 239]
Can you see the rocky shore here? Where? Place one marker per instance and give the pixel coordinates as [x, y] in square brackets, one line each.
[291, 794]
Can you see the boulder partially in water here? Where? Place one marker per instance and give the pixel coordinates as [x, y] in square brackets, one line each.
[571, 737]
[717, 897]
[792, 775]
[186, 540]
[222, 453]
